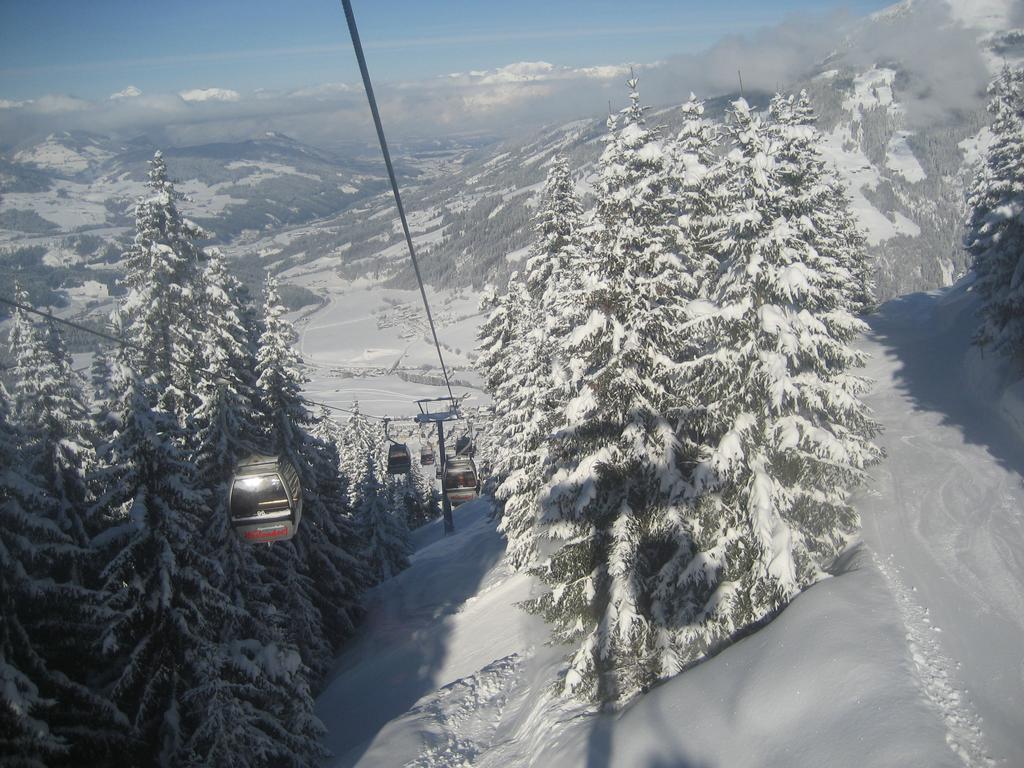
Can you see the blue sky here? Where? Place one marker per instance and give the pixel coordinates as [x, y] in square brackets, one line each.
[92, 48]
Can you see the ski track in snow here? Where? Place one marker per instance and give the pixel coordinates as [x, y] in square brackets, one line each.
[935, 673]
[944, 520]
[465, 715]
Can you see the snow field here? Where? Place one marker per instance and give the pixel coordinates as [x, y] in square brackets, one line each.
[367, 330]
[899, 157]
[838, 149]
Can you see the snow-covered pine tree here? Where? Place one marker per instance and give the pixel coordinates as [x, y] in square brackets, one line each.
[261, 695]
[384, 533]
[616, 454]
[162, 270]
[786, 436]
[534, 384]
[316, 578]
[226, 371]
[816, 203]
[26, 538]
[280, 379]
[48, 717]
[57, 451]
[162, 638]
[995, 228]
[328, 543]
[225, 430]
[360, 439]
[418, 498]
[24, 345]
[100, 373]
[696, 187]
[502, 343]
[51, 408]
[326, 429]
[282, 418]
[259, 712]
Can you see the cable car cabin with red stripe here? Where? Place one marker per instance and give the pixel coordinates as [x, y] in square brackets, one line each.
[461, 483]
[265, 501]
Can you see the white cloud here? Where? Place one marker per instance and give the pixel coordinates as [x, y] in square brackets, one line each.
[604, 73]
[130, 92]
[525, 94]
[521, 71]
[8, 104]
[210, 94]
[323, 91]
[55, 104]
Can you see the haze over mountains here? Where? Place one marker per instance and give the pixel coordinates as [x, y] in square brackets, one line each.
[900, 96]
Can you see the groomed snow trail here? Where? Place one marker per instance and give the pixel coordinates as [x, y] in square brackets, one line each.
[944, 519]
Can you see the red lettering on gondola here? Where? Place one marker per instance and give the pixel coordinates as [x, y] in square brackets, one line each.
[266, 534]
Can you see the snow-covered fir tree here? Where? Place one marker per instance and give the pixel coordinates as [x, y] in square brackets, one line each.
[815, 201]
[785, 436]
[259, 712]
[995, 228]
[384, 533]
[417, 497]
[615, 456]
[48, 714]
[316, 577]
[52, 411]
[534, 384]
[329, 545]
[326, 429]
[501, 346]
[225, 423]
[161, 641]
[361, 438]
[696, 186]
[162, 271]
[284, 416]
[226, 430]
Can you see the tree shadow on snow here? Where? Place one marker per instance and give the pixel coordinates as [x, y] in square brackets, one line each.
[395, 656]
[930, 335]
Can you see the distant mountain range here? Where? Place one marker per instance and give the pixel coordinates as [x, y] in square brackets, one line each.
[904, 124]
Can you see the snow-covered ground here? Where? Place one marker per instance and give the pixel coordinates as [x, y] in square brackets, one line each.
[361, 343]
[946, 518]
[910, 656]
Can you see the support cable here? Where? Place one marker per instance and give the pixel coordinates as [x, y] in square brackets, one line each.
[368, 86]
[131, 345]
[69, 323]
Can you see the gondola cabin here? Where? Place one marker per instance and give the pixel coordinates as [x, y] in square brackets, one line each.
[426, 456]
[460, 480]
[265, 501]
[399, 460]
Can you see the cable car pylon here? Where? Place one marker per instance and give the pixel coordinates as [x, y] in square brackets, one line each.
[438, 410]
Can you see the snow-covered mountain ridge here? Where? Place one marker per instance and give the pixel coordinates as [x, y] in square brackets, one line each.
[904, 123]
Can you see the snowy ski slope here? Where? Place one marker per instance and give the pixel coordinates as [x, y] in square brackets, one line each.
[913, 655]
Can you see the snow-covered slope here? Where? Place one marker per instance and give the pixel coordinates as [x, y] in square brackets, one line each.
[946, 516]
[910, 655]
